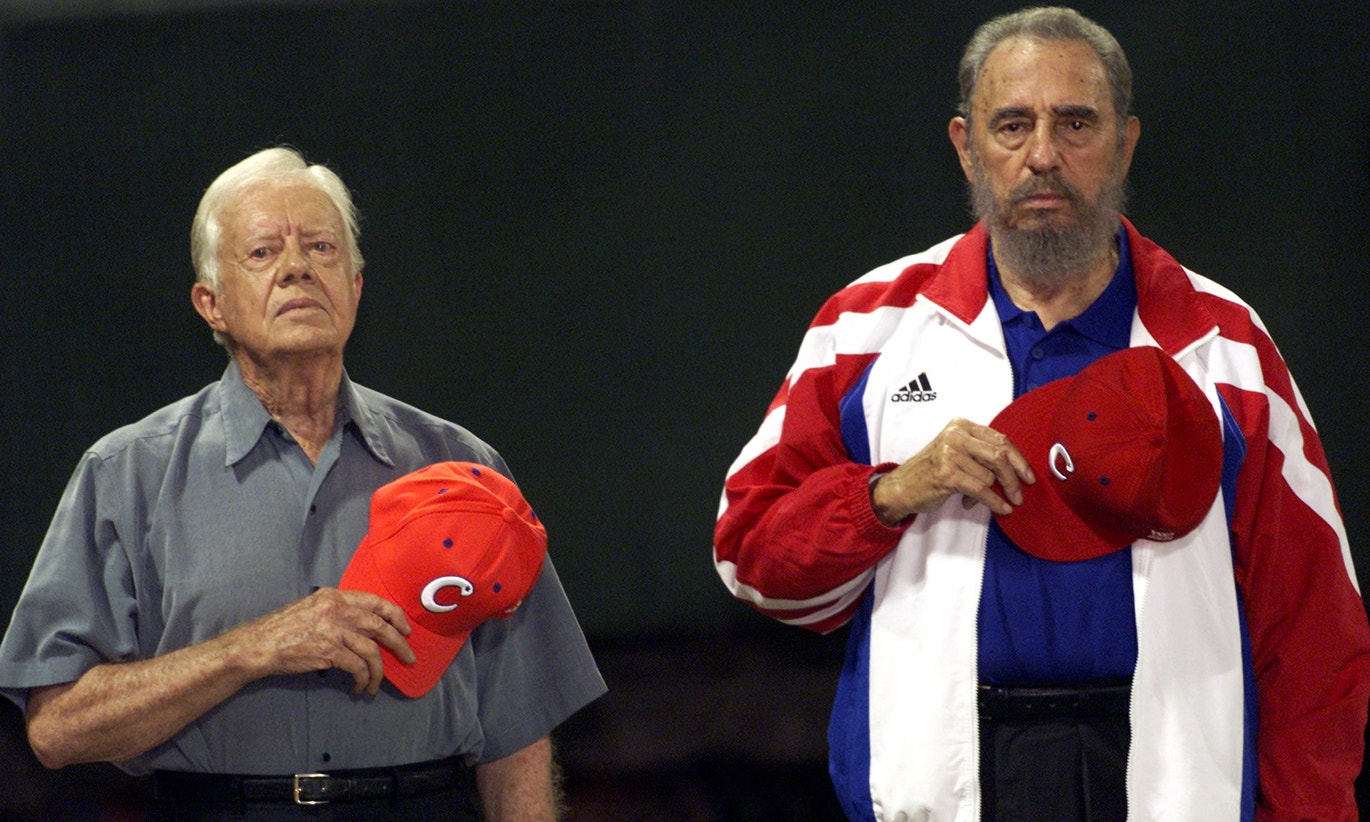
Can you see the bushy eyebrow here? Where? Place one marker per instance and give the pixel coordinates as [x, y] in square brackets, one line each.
[1076, 113]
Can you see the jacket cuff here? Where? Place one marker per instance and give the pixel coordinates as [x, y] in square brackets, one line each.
[863, 507]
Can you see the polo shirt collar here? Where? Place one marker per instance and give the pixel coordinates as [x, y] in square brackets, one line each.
[1108, 320]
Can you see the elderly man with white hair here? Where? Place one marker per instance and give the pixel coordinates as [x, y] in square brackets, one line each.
[182, 616]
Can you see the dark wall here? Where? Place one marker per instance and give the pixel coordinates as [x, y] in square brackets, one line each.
[595, 231]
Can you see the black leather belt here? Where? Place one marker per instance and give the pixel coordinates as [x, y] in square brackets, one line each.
[315, 788]
[1055, 703]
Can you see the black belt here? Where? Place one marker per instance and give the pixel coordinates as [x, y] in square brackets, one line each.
[1055, 703]
[314, 788]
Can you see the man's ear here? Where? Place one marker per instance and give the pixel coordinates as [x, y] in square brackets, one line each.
[1132, 131]
[206, 303]
[960, 137]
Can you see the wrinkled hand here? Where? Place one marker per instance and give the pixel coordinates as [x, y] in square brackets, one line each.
[964, 458]
[330, 628]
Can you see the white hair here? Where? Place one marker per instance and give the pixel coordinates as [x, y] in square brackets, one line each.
[268, 165]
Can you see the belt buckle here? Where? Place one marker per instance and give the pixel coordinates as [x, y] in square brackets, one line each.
[299, 787]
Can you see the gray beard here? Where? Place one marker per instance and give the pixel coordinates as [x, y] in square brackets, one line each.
[1049, 256]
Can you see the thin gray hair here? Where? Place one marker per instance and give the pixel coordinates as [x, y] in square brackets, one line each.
[278, 164]
[1047, 23]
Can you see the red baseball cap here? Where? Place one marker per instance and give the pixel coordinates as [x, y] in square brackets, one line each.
[1126, 450]
[453, 544]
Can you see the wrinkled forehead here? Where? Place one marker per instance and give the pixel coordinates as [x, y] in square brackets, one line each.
[281, 207]
[1029, 72]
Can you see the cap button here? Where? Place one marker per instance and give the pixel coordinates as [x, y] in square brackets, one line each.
[509, 515]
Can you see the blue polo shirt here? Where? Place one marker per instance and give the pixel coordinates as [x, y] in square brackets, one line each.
[1044, 622]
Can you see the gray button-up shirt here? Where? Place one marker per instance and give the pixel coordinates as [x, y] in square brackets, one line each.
[206, 515]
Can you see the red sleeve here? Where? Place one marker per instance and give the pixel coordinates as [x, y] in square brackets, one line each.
[1309, 635]
[797, 533]
[797, 537]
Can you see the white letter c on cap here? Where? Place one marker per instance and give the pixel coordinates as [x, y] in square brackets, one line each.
[1058, 452]
[430, 593]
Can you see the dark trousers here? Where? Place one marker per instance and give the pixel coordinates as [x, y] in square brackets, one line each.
[1054, 770]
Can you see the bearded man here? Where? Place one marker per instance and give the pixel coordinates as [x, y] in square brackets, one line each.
[1175, 672]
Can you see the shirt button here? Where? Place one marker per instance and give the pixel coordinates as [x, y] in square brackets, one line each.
[327, 757]
[1038, 353]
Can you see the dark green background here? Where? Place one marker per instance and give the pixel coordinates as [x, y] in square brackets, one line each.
[595, 231]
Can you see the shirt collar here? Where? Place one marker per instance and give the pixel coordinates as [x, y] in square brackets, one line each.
[369, 426]
[1108, 319]
[245, 418]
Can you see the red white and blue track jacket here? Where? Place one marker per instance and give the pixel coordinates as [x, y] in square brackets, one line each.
[1253, 666]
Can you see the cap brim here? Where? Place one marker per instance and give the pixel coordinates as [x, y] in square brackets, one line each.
[433, 655]
[434, 652]
[1044, 525]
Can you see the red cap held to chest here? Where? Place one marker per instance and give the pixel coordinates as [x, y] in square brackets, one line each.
[1128, 449]
[453, 544]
